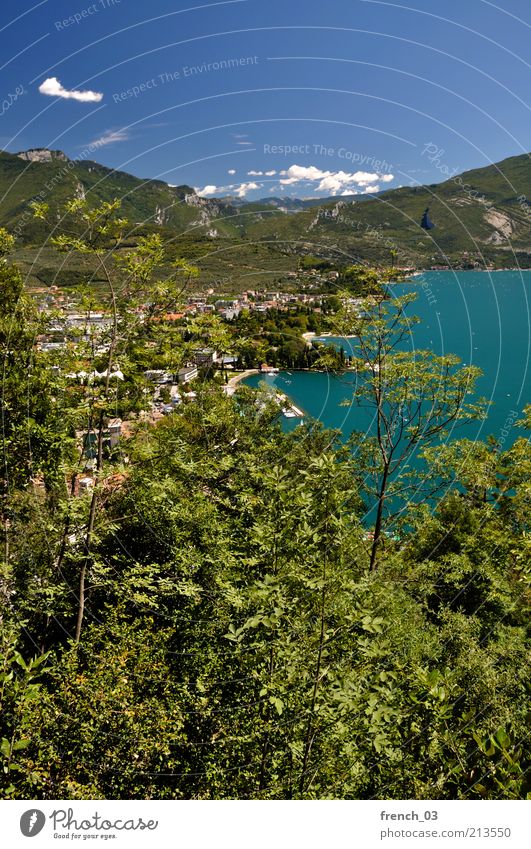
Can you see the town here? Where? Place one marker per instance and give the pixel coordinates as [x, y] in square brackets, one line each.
[221, 340]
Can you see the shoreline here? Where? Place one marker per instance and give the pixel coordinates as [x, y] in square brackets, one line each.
[230, 387]
[453, 270]
[326, 335]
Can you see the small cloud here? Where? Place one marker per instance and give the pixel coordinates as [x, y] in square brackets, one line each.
[156, 124]
[255, 173]
[111, 137]
[241, 138]
[53, 88]
[270, 173]
[231, 171]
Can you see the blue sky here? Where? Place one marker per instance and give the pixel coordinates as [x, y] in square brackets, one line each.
[333, 97]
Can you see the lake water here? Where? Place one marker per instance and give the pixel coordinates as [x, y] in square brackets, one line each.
[482, 317]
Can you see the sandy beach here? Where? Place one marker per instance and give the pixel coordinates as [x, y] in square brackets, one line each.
[230, 387]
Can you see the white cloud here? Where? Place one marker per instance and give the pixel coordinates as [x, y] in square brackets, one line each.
[208, 190]
[111, 137]
[244, 143]
[261, 173]
[370, 190]
[334, 182]
[231, 171]
[243, 188]
[53, 88]
[239, 189]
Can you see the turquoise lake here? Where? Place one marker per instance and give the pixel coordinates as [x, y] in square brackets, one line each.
[482, 317]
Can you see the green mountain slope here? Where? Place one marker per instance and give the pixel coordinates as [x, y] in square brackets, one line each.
[50, 175]
[482, 217]
[484, 213]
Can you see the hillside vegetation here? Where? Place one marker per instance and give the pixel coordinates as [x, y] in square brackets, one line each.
[482, 219]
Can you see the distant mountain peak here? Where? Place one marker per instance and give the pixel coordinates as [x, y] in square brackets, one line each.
[41, 154]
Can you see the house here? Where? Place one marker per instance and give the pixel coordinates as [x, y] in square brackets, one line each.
[158, 375]
[114, 429]
[46, 347]
[229, 362]
[187, 374]
[111, 437]
[225, 304]
[230, 313]
[172, 316]
[85, 484]
[205, 357]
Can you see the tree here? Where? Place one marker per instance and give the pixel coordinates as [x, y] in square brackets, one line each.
[412, 399]
[137, 294]
[34, 427]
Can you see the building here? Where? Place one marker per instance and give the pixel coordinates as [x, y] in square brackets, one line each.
[229, 362]
[111, 438]
[205, 357]
[187, 374]
[158, 375]
[114, 429]
[230, 313]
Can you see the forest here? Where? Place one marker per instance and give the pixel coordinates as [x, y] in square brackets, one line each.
[231, 611]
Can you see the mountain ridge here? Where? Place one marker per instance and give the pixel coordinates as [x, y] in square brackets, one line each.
[483, 213]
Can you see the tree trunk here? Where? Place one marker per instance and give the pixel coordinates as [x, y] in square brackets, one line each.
[90, 529]
[379, 518]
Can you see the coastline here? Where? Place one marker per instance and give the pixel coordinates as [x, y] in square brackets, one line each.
[230, 387]
[326, 335]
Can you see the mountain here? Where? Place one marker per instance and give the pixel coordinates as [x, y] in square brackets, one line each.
[482, 215]
[42, 154]
[282, 204]
[52, 177]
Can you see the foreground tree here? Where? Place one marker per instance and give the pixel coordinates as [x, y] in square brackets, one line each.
[136, 295]
[411, 399]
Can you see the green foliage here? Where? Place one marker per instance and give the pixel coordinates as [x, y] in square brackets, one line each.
[20, 692]
[235, 642]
